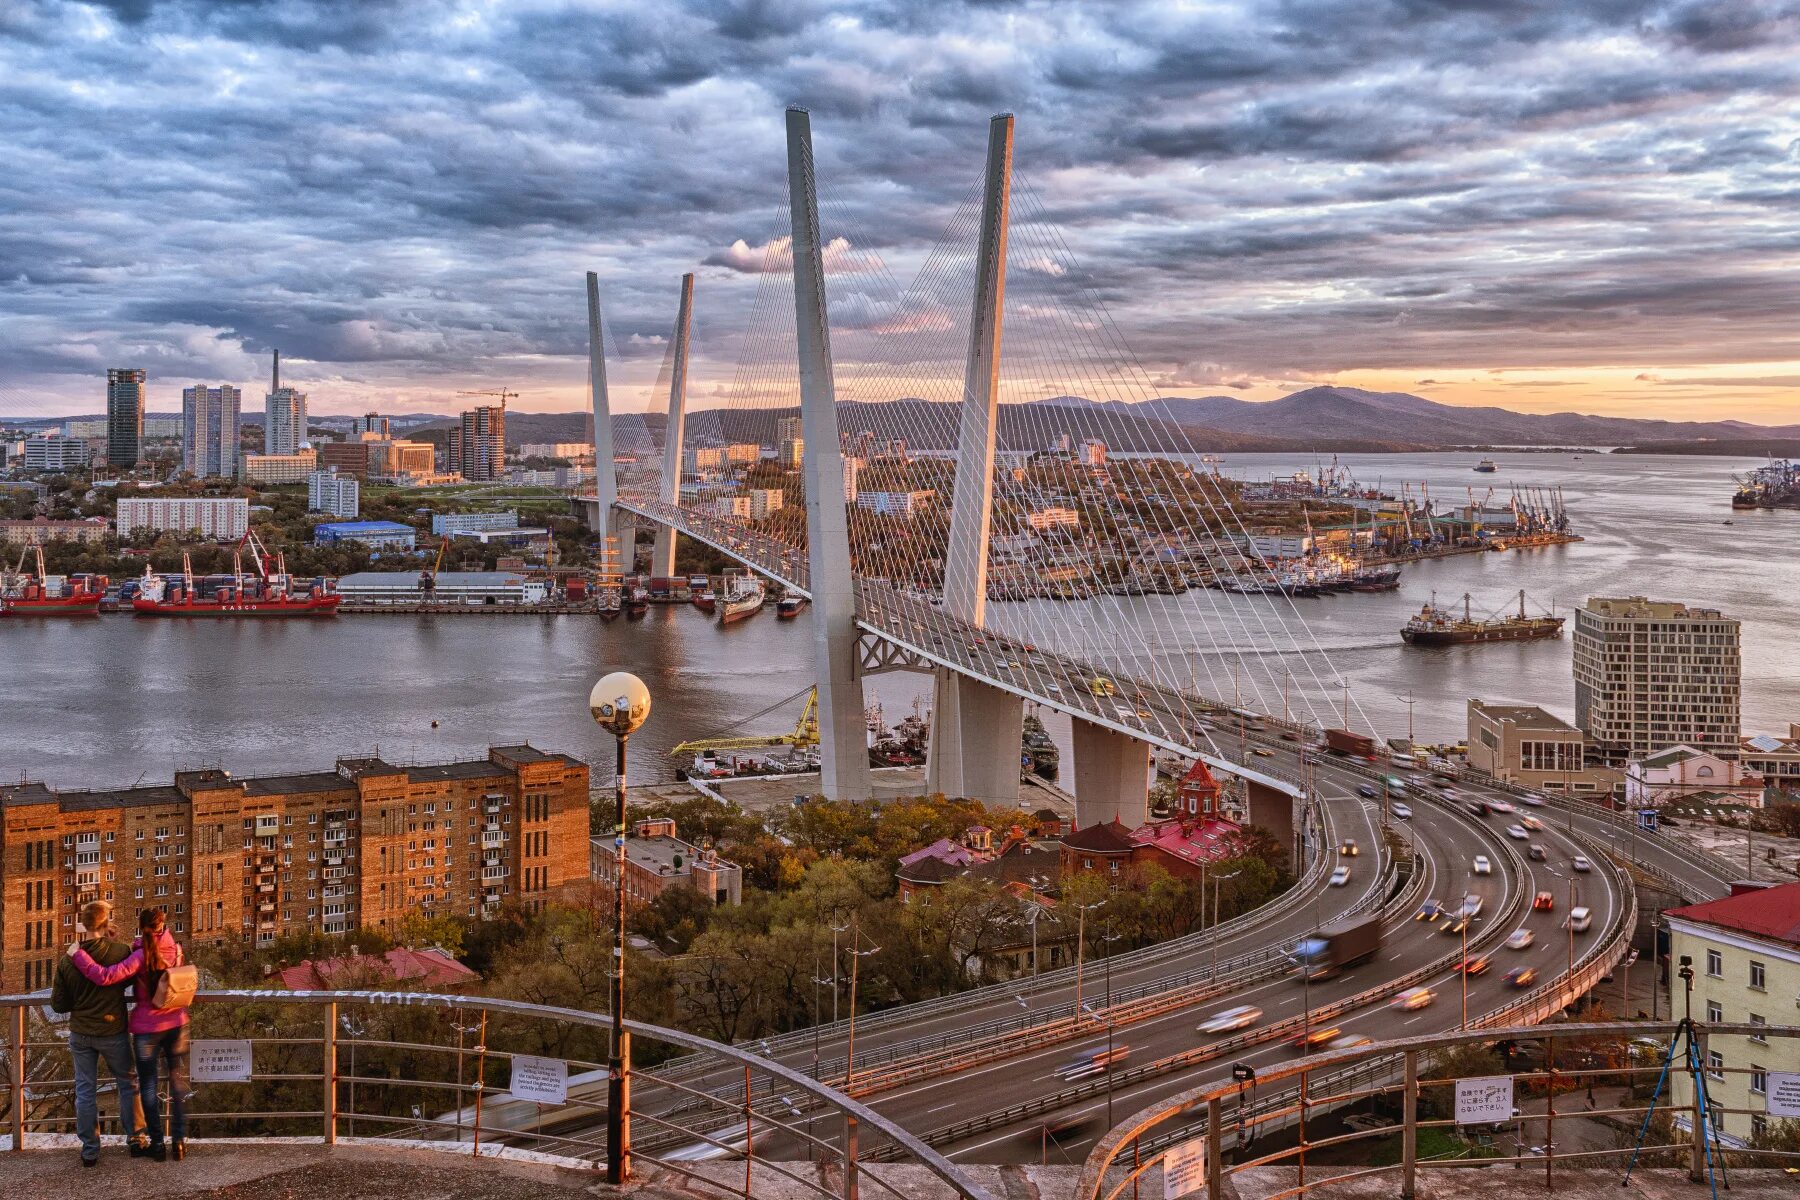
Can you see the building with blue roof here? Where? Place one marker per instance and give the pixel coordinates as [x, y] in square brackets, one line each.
[376, 535]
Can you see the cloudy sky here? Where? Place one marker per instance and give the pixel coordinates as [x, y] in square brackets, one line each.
[1547, 205]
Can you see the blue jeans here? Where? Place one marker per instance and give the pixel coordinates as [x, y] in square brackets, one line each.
[87, 1050]
[171, 1046]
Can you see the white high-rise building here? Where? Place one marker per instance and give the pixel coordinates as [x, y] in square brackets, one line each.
[209, 430]
[1651, 674]
[329, 492]
[284, 416]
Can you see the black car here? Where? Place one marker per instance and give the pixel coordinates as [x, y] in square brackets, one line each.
[1477, 808]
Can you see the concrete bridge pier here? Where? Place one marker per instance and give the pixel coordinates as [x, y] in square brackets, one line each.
[975, 732]
[1112, 776]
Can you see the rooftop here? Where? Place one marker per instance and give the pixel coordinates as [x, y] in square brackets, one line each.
[429, 968]
[1109, 838]
[452, 579]
[1772, 913]
[1643, 609]
[1525, 716]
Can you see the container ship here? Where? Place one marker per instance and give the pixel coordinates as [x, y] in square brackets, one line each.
[1435, 626]
[42, 595]
[266, 594]
[744, 596]
[1774, 486]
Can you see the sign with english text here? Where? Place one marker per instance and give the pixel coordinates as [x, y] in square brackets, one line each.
[545, 1080]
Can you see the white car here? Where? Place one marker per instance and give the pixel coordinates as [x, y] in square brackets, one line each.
[1580, 919]
[1231, 1020]
[1534, 801]
[1499, 805]
[1402, 811]
[1520, 939]
[1483, 866]
[1340, 877]
[1530, 822]
[1517, 832]
[1580, 863]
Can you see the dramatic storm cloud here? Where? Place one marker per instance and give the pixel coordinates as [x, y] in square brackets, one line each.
[1542, 204]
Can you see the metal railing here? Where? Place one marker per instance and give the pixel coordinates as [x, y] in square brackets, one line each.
[292, 1069]
[1134, 1152]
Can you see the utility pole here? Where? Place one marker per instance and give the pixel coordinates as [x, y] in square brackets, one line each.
[1409, 702]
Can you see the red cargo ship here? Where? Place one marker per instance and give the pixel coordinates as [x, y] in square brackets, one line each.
[42, 595]
[269, 594]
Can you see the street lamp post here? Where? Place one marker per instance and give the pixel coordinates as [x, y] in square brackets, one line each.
[850, 1042]
[620, 704]
[1216, 881]
[1081, 912]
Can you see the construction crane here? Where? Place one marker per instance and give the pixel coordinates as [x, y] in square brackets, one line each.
[804, 733]
[428, 579]
[502, 394]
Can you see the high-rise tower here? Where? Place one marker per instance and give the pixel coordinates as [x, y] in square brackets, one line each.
[209, 430]
[124, 415]
[284, 416]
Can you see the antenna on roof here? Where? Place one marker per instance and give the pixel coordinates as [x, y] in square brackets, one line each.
[275, 375]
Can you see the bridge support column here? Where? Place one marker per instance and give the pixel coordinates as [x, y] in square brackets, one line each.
[662, 556]
[1112, 777]
[843, 736]
[975, 732]
[603, 515]
[975, 728]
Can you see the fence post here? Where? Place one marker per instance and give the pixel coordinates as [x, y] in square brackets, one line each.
[1215, 1171]
[850, 1180]
[1409, 1131]
[15, 1038]
[328, 1070]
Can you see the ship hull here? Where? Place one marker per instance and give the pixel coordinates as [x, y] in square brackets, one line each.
[324, 606]
[732, 611]
[81, 606]
[1460, 637]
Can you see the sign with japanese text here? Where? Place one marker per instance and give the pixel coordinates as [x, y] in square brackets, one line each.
[1484, 1100]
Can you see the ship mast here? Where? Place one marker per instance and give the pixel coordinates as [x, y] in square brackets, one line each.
[1466, 616]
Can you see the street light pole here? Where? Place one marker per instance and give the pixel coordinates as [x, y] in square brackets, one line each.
[1081, 912]
[850, 1042]
[619, 704]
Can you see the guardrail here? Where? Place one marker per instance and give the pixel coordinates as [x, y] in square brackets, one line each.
[1367, 1073]
[302, 1087]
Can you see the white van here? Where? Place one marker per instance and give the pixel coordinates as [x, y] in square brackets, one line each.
[1580, 919]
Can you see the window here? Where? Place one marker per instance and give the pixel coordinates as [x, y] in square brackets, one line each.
[1715, 1065]
[1715, 964]
[1758, 1037]
[1713, 1012]
[1759, 1079]
[1759, 1125]
[1758, 979]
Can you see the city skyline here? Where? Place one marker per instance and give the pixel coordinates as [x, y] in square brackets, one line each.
[1575, 209]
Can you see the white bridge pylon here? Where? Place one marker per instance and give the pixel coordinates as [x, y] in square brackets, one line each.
[978, 711]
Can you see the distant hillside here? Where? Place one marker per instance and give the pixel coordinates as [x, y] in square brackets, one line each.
[1725, 448]
[1334, 413]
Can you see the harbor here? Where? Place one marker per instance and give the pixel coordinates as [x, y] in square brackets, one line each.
[103, 700]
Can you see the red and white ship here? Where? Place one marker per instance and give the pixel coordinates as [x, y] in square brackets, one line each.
[41, 595]
[266, 594]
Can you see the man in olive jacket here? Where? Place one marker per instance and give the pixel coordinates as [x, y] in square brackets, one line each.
[97, 1031]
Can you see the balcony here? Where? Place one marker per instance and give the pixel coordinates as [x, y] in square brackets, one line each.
[490, 874]
[492, 838]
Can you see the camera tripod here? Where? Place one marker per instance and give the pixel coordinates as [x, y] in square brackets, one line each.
[1684, 1040]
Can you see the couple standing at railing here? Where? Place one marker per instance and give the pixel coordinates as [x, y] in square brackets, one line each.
[90, 986]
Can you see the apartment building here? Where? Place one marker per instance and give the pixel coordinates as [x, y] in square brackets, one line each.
[1650, 674]
[221, 519]
[281, 468]
[41, 531]
[1745, 953]
[656, 860]
[257, 858]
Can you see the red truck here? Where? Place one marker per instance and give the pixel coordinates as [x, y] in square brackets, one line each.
[1350, 745]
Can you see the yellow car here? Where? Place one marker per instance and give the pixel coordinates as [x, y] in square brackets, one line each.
[1101, 686]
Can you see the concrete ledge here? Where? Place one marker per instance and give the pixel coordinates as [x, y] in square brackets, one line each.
[365, 1169]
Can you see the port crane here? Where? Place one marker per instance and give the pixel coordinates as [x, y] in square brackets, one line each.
[804, 733]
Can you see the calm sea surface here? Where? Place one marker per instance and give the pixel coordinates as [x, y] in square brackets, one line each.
[112, 701]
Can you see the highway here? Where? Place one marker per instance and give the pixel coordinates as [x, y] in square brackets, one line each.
[1446, 837]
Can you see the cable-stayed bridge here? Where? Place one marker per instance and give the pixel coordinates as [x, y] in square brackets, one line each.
[991, 493]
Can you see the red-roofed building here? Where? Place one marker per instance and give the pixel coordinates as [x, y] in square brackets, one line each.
[1745, 953]
[1182, 846]
[431, 970]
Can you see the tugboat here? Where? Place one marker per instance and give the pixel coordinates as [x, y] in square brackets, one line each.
[269, 594]
[700, 593]
[1435, 626]
[636, 601]
[744, 596]
[1486, 466]
[788, 607]
[42, 595]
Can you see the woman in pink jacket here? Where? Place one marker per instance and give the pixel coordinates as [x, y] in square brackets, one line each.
[155, 1032]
